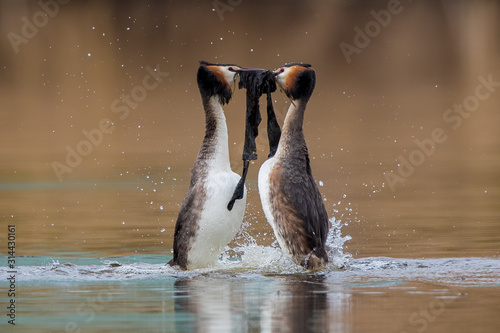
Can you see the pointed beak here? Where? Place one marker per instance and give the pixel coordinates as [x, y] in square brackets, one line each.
[243, 69]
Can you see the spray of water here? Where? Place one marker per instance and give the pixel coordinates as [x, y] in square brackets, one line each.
[249, 255]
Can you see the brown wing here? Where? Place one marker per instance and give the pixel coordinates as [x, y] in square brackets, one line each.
[300, 211]
[187, 224]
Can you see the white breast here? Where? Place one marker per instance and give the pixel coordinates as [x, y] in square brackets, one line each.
[265, 198]
[217, 225]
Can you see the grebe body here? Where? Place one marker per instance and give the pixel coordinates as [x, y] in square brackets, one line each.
[204, 225]
[290, 198]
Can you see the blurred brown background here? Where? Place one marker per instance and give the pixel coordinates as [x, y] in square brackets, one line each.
[63, 66]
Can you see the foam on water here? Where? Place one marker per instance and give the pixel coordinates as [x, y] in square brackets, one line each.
[247, 257]
[464, 271]
[270, 259]
[250, 259]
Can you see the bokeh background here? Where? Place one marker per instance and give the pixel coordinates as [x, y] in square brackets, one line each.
[62, 77]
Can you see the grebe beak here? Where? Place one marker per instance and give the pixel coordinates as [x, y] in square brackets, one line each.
[244, 69]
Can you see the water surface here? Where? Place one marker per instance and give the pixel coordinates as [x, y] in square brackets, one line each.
[73, 293]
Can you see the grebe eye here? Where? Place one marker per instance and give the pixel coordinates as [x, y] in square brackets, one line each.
[282, 70]
[231, 69]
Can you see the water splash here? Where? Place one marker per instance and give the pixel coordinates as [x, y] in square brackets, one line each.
[249, 255]
[257, 261]
[335, 243]
[246, 257]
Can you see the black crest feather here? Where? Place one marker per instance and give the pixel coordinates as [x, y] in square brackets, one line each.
[210, 85]
[304, 85]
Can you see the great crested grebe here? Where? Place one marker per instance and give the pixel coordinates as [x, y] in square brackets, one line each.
[204, 225]
[290, 198]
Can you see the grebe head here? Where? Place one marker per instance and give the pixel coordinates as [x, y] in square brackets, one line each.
[296, 79]
[216, 79]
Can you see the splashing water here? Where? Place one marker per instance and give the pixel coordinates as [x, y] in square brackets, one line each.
[249, 255]
[246, 257]
[335, 243]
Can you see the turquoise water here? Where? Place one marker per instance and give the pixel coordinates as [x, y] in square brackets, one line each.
[72, 292]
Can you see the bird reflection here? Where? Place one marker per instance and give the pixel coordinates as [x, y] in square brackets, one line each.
[259, 304]
[297, 305]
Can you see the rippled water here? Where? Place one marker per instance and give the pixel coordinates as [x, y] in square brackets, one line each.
[255, 288]
[91, 258]
[74, 293]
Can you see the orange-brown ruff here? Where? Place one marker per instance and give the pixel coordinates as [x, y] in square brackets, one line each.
[290, 198]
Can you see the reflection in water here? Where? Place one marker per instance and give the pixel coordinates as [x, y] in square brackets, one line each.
[372, 295]
[278, 304]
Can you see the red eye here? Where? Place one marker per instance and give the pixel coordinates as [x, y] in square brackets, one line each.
[231, 69]
[282, 70]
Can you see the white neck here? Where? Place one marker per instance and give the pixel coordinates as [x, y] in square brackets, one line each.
[220, 158]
